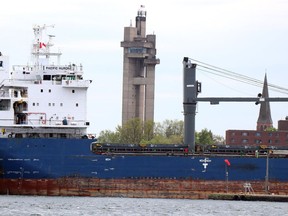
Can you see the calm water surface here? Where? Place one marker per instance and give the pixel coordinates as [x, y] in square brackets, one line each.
[42, 206]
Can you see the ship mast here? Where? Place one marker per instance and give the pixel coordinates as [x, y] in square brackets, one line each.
[41, 47]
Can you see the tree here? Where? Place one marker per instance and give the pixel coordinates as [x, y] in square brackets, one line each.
[204, 137]
[131, 132]
[270, 129]
[217, 139]
[148, 130]
[108, 136]
[169, 128]
[168, 132]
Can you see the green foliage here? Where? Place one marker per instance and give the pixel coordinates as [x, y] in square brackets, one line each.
[270, 129]
[148, 130]
[159, 139]
[170, 128]
[217, 139]
[168, 132]
[108, 136]
[131, 132]
[204, 137]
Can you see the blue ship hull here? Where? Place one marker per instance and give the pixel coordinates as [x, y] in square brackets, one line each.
[56, 158]
[37, 166]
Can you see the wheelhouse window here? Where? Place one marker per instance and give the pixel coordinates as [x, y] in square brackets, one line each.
[47, 77]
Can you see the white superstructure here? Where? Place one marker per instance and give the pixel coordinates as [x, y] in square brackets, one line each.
[44, 98]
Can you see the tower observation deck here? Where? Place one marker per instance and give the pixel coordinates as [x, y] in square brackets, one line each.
[139, 61]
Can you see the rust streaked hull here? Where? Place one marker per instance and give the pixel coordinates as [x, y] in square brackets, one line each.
[66, 167]
[141, 188]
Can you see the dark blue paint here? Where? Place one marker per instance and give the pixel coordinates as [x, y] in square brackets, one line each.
[55, 158]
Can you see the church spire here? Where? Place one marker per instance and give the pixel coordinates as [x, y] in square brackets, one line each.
[264, 119]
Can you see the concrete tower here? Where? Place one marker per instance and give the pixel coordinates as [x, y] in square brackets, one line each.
[264, 119]
[139, 61]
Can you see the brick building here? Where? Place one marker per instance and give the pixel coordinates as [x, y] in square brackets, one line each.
[262, 136]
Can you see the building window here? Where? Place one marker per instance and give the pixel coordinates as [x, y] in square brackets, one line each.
[258, 141]
[232, 140]
[258, 134]
[270, 134]
[137, 50]
[245, 141]
[270, 141]
[277, 134]
[244, 133]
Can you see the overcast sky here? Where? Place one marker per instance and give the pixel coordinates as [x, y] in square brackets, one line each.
[245, 36]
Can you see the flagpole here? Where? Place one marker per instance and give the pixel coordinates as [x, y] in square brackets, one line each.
[226, 171]
[227, 163]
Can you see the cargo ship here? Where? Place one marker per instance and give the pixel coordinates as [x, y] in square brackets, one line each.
[45, 148]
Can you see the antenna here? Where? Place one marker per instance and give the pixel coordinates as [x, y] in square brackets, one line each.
[142, 11]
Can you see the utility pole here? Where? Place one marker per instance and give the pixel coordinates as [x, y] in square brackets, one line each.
[267, 173]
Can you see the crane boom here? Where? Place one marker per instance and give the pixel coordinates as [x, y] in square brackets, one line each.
[191, 88]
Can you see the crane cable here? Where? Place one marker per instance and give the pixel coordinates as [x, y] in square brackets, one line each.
[236, 76]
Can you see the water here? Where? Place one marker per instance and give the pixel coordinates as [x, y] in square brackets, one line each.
[43, 206]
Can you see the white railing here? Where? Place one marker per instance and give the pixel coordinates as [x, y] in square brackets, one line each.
[42, 122]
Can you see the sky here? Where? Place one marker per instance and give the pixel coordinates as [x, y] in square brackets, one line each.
[244, 36]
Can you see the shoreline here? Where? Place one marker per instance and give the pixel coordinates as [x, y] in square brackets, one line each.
[248, 197]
